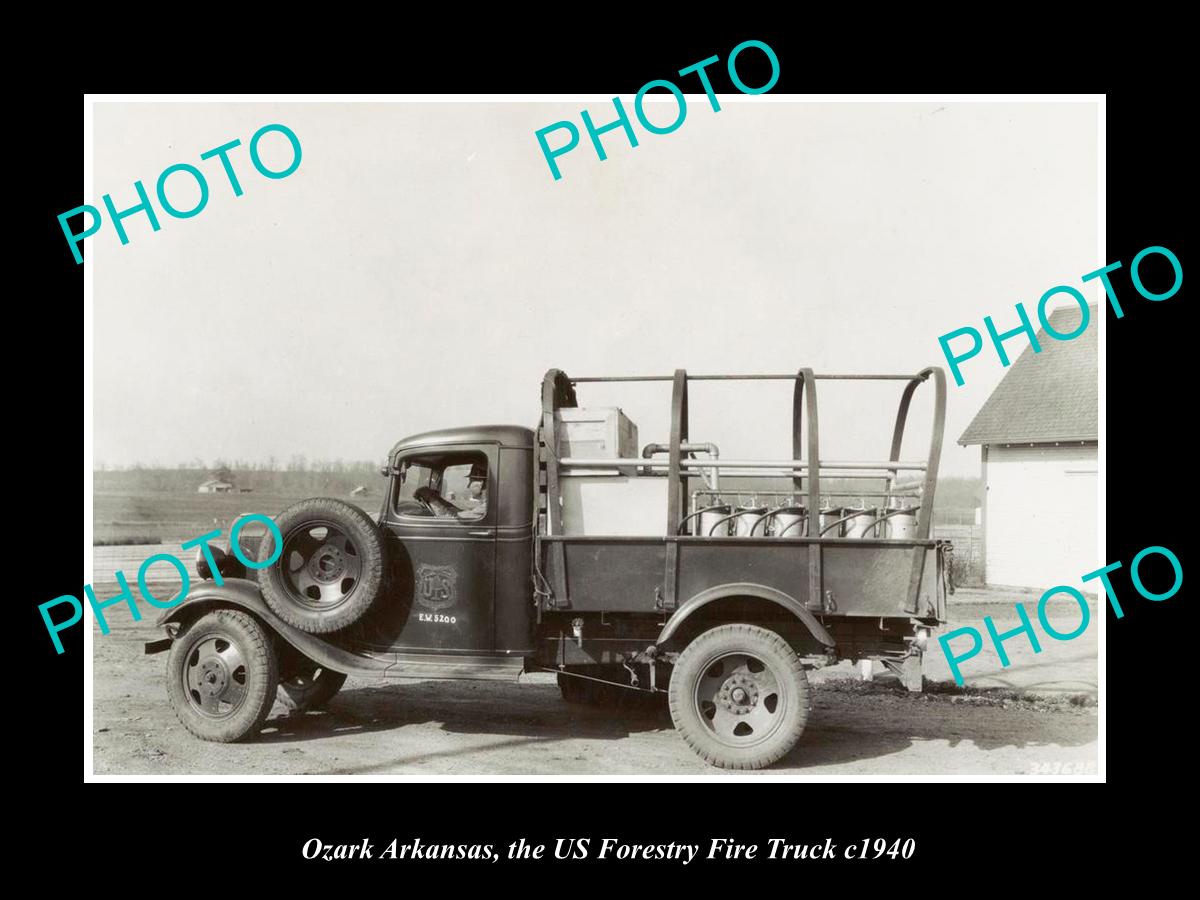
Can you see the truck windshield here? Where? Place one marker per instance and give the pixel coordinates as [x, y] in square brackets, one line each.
[446, 486]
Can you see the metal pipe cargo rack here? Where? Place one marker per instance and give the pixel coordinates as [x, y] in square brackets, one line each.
[806, 469]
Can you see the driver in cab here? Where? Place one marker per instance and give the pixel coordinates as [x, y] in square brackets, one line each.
[474, 503]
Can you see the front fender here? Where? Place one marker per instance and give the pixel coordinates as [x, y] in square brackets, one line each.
[241, 593]
[745, 589]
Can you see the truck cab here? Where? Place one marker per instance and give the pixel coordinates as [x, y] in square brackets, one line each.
[458, 521]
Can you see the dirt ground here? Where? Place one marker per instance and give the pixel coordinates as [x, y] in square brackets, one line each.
[1037, 716]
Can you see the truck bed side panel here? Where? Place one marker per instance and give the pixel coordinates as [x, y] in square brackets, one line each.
[611, 574]
[860, 577]
[874, 581]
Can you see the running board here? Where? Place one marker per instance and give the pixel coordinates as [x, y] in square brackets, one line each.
[431, 665]
[361, 662]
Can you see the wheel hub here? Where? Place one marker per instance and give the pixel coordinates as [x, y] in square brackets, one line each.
[327, 564]
[213, 677]
[739, 694]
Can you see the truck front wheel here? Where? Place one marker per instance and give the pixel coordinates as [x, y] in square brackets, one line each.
[221, 676]
[739, 696]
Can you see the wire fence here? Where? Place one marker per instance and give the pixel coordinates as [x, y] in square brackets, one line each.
[966, 565]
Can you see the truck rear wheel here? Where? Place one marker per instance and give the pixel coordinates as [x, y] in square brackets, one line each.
[330, 569]
[739, 696]
[303, 691]
[221, 676]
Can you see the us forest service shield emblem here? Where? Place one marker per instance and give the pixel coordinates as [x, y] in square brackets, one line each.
[436, 586]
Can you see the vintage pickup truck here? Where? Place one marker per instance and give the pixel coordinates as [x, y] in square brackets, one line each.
[499, 550]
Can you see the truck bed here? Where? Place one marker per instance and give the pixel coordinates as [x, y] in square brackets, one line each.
[856, 577]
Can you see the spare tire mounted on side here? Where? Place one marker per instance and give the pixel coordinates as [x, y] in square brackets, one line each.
[330, 569]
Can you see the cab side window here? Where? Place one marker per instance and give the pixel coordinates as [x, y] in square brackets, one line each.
[445, 486]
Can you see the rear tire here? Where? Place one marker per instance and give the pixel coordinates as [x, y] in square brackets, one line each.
[739, 696]
[304, 691]
[330, 571]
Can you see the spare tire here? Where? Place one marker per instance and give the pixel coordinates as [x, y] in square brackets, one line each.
[330, 570]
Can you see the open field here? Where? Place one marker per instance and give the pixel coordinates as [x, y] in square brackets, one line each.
[175, 517]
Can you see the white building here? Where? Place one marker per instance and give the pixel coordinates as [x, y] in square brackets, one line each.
[1038, 435]
[215, 486]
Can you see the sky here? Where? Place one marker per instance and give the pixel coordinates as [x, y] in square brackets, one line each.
[422, 269]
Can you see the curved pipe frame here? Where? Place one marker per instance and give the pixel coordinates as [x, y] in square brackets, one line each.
[677, 485]
[925, 512]
[557, 393]
[805, 395]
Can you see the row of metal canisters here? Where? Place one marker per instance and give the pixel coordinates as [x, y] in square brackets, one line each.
[791, 521]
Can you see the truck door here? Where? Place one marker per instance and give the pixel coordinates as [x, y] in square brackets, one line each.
[441, 526]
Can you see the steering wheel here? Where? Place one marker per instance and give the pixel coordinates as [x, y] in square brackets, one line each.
[422, 495]
[434, 503]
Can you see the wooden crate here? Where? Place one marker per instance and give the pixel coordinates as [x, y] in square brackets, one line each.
[597, 433]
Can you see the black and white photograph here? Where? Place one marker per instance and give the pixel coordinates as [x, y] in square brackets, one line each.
[680, 435]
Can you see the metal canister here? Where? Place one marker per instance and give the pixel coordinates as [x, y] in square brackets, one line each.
[828, 517]
[788, 521]
[747, 523]
[861, 525]
[900, 525]
[710, 517]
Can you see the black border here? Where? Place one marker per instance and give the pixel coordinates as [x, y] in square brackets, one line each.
[980, 828]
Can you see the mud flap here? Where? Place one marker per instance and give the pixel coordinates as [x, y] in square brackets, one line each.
[908, 671]
[910, 674]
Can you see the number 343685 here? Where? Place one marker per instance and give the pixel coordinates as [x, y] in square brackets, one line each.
[1063, 768]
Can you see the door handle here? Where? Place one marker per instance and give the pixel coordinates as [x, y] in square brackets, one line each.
[485, 533]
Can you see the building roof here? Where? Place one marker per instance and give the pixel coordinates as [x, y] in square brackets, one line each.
[1046, 396]
[216, 481]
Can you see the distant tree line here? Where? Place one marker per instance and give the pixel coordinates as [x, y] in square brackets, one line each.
[298, 475]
